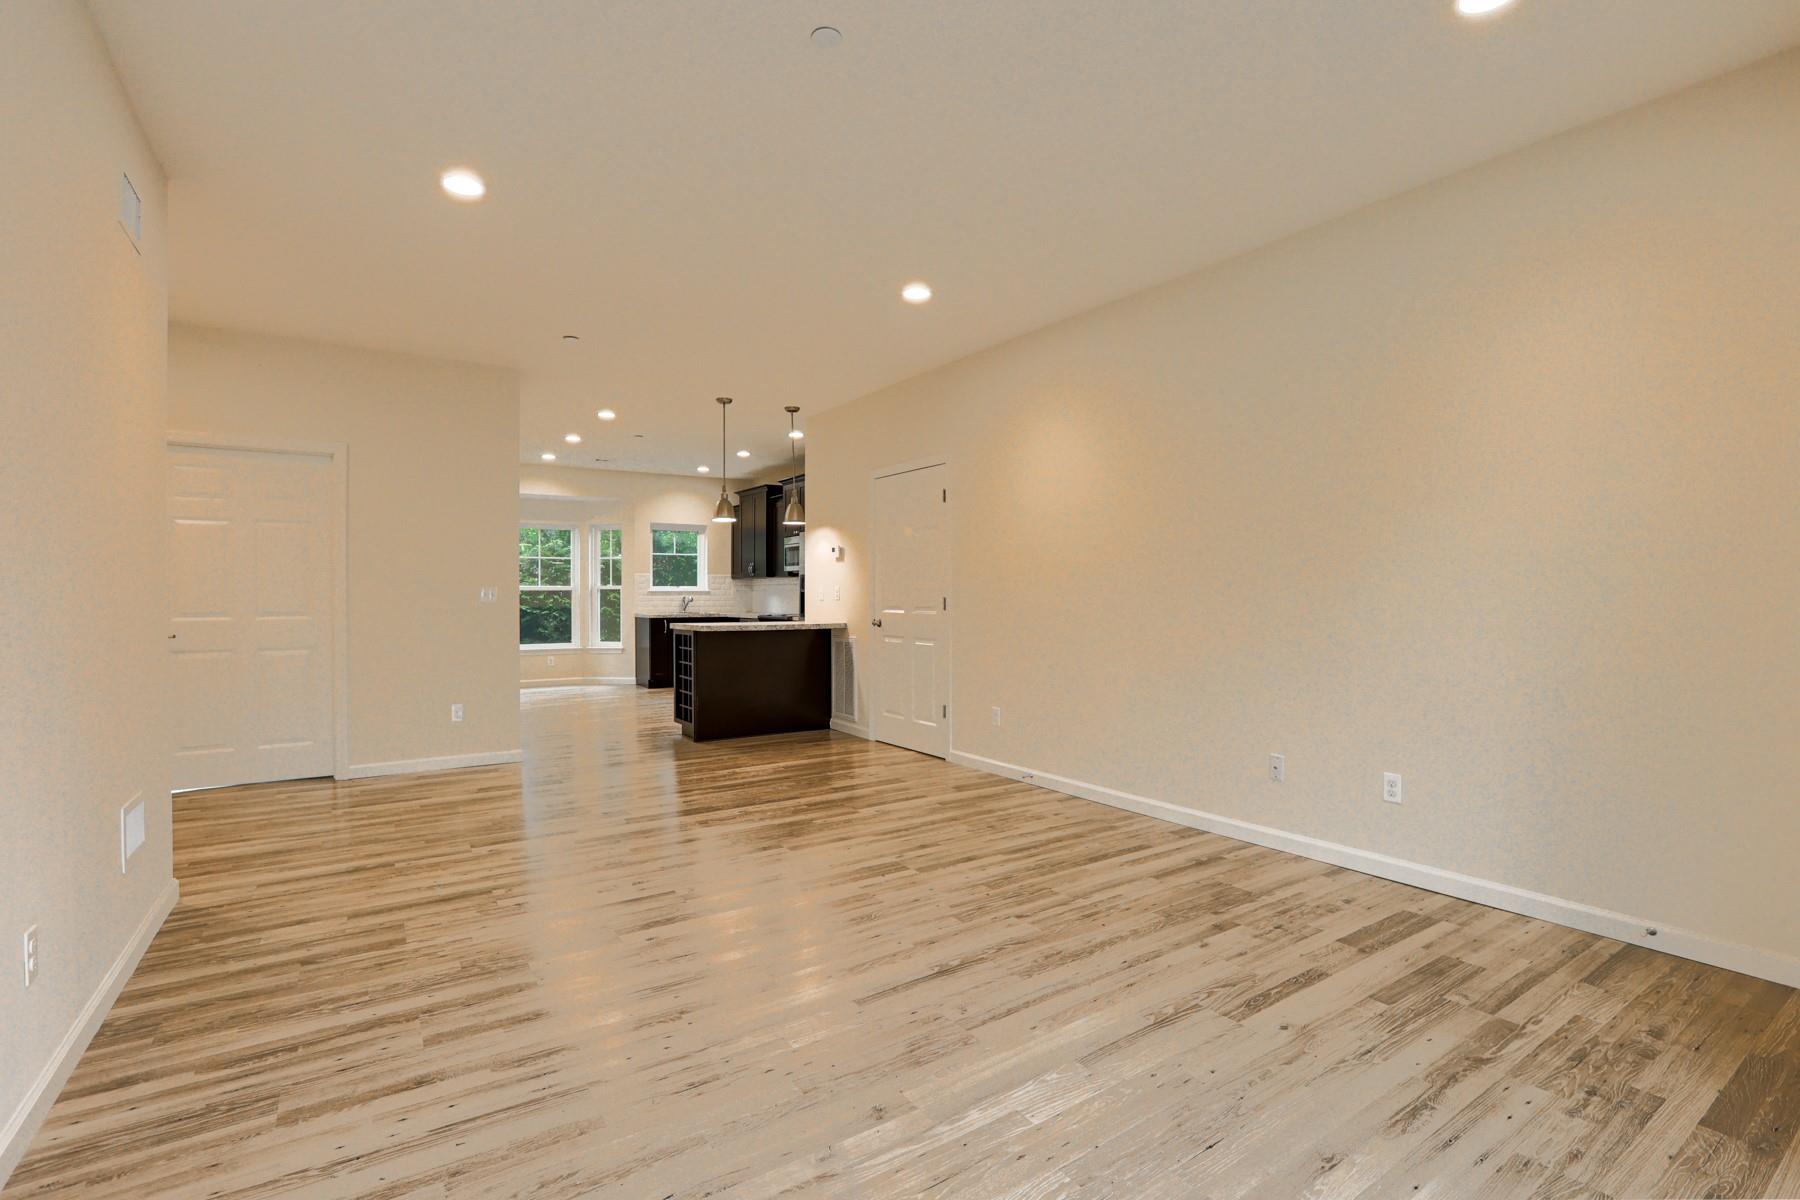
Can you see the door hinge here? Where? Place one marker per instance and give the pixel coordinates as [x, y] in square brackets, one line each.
[946, 496]
[946, 710]
[946, 604]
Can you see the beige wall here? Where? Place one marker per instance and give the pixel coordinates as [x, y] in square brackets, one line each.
[82, 357]
[432, 508]
[635, 501]
[1495, 485]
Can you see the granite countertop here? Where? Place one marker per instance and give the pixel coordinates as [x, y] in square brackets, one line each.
[754, 626]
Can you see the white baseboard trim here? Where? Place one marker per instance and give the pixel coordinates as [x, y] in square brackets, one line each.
[419, 766]
[1639, 931]
[16, 1134]
[578, 681]
[853, 729]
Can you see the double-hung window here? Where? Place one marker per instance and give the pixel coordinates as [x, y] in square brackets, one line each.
[608, 575]
[678, 558]
[547, 567]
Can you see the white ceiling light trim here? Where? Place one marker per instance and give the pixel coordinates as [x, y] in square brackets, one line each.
[460, 183]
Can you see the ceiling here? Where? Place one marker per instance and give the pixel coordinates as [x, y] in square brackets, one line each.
[715, 205]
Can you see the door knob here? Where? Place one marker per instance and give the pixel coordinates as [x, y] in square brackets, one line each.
[875, 621]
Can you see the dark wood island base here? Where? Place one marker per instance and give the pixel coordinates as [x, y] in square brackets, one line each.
[749, 679]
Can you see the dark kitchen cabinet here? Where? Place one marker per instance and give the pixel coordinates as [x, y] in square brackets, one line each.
[756, 535]
[655, 666]
[747, 683]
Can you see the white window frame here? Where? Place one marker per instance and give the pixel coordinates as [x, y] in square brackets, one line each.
[595, 587]
[574, 586]
[703, 584]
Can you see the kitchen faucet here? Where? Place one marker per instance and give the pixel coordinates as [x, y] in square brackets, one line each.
[685, 601]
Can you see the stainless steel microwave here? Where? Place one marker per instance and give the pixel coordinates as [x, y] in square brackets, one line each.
[793, 555]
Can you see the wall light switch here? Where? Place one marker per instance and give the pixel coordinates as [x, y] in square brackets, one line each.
[1390, 788]
[31, 955]
[1277, 768]
[996, 714]
[456, 712]
[489, 594]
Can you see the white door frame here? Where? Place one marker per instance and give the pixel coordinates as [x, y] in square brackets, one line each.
[875, 477]
[339, 454]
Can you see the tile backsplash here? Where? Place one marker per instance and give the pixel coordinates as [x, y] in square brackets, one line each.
[724, 596]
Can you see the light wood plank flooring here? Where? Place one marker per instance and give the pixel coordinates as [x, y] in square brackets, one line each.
[817, 967]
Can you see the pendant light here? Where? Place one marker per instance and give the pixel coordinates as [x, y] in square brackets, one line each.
[724, 512]
[795, 513]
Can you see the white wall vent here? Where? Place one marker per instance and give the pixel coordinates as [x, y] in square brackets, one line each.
[131, 211]
[843, 678]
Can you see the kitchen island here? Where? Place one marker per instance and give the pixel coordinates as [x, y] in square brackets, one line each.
[743, 679]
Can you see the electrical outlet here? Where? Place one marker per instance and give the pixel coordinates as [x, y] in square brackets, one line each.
[837, 591]
[456, 712]
[550, 661]
[1390, 788]
[1277, 768]
[489, 594]
[31, 955]
[996, 714]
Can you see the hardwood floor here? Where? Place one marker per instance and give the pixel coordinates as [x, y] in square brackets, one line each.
[817, 967]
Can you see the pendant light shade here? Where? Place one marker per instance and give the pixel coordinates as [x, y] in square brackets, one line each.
[795, 512]
[723, 513]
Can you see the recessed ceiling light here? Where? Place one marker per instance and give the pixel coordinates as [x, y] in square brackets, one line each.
[916, 292]
[827, 37]
[547, 456]
[571, 337]
[703, 469]
[463, 183]
[574, 439]
[1481, 8]
[743, 454]
[606, 414]
[796, 434]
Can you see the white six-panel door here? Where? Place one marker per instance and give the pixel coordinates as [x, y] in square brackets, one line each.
[251, 578]
[910, 632]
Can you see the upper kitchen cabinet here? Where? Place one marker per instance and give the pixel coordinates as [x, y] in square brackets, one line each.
[760, 543]
[756, 537]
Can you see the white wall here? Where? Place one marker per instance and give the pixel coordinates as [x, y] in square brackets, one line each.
[82, 360]
[634, 501]
[1495, 484]
[432, 519]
